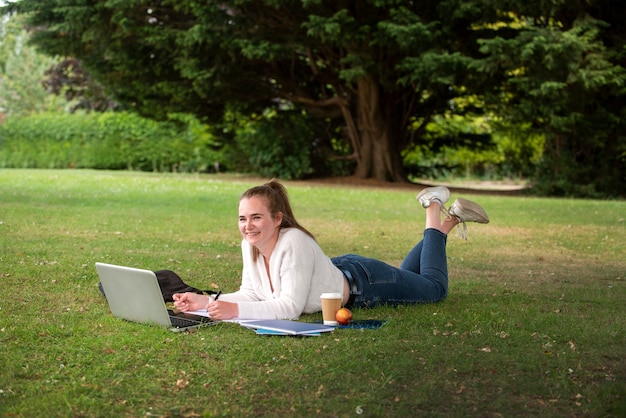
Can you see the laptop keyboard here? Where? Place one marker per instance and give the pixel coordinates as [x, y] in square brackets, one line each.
[182, 322]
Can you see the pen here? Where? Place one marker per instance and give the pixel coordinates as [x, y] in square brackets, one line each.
[217, 295]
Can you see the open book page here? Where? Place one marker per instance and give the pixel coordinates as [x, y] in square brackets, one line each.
[203, 312]
[287, 326]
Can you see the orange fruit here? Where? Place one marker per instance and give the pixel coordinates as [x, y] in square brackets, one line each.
[343, 316]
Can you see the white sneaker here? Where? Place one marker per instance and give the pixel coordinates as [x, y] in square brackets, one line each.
[426, 196]
[467, 211]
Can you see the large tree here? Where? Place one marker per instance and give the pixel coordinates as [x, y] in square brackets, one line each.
[383, 68]
[377, 66]
[565, 77]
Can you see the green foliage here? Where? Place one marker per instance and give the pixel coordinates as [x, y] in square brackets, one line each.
[568, 85]
[107, 141]
[375, 67]
[520, 149]
[270, 144]
[259, 149]
[371, 66]
[21, 72]
[283, 144]
[474, 146]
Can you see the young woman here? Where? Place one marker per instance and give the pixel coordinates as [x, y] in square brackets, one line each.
[285, 271]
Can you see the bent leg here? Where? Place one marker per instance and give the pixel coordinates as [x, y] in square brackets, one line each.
[380, 283]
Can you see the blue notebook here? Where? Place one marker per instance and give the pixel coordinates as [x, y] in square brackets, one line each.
[287, 327]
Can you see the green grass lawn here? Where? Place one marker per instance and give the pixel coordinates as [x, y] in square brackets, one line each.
[534, 323]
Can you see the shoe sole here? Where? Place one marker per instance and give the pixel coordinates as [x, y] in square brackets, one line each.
[472, 209]
[433, 192]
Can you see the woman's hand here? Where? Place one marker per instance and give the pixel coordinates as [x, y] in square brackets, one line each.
[219, 309]
[185, 302]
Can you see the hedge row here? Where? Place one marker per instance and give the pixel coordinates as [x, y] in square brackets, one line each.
[107, 141]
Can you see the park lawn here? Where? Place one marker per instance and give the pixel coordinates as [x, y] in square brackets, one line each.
[533, 324]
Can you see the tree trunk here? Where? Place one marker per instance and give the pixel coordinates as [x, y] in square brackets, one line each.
[374, 134]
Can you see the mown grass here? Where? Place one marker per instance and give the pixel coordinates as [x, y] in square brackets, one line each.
[533, 325]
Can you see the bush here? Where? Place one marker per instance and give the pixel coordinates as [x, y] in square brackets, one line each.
[107, 141]
[285, 144]
[474, 147]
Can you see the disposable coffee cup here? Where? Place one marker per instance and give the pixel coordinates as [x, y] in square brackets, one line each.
[331, 303]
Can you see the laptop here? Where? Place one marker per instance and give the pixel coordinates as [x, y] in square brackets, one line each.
[134, 295]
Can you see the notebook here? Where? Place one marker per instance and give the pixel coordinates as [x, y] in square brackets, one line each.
[286, 327]
[134, 295]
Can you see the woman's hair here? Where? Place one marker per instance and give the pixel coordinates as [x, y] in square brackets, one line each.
[275, 194]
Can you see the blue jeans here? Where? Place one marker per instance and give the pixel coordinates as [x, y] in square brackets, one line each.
[422, 277]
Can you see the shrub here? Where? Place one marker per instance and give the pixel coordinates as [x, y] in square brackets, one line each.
[285, 144]
[107, 141]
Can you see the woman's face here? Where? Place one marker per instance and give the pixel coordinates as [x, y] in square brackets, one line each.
[257, 225]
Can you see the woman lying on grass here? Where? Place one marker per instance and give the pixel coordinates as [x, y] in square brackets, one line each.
[285, 271]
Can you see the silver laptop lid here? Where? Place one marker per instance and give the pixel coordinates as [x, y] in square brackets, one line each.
[133, 294]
